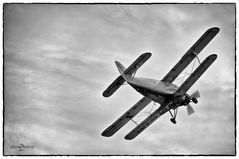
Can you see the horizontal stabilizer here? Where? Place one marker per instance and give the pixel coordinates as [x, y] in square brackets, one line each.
[137, 63]
[114, 86]
[129, 71]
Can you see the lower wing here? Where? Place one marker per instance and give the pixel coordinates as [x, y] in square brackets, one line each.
[148, 121]
[114, 86]
[126, 117]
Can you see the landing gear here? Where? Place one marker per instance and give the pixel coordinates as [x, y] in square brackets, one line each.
[173, 119]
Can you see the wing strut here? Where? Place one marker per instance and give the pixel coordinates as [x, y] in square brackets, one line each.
[196, 54]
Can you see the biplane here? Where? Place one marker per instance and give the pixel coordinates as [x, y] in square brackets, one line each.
[165, 92]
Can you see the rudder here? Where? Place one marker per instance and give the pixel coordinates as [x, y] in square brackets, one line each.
[121, 68]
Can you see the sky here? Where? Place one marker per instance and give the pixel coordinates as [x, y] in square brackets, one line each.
[58, 60]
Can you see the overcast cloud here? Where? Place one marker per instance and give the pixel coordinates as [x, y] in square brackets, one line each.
[58, 59]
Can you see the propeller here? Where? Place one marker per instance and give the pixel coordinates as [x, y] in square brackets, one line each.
[195, 94]
[194, 97]
[190, 109]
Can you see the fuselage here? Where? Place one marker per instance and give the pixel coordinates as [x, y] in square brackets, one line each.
[159, 91]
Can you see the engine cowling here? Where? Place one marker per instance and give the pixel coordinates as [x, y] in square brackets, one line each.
[194, 99]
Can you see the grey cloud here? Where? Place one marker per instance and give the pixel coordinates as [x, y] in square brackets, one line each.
[59, 59]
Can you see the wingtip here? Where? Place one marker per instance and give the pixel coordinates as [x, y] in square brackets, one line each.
[127, 138]
[148, 53]
[214, 56]
[105, 94]
[215, 29]
[105, 134]
[116, 62]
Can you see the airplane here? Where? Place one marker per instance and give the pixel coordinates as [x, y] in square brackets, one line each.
[164, 92]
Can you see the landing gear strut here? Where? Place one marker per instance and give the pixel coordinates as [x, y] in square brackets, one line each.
[173, 119]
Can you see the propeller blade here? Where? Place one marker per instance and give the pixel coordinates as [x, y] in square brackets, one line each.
[195, 94]
[190, 109]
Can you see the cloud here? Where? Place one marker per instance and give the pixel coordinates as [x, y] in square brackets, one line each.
[58, 59]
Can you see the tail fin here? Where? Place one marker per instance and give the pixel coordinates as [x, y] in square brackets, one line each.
[121, 68]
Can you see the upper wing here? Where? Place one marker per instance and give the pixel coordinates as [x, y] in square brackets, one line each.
[196, 74]
[112, 129]
[130, 70]
[191, 54]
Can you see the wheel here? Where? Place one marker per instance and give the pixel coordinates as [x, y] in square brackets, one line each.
[173, 120]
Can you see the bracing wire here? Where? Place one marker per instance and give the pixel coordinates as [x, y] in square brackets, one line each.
[147, 112]
[185, 74]
[152, 108]
[142, 114]
[193, 65]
